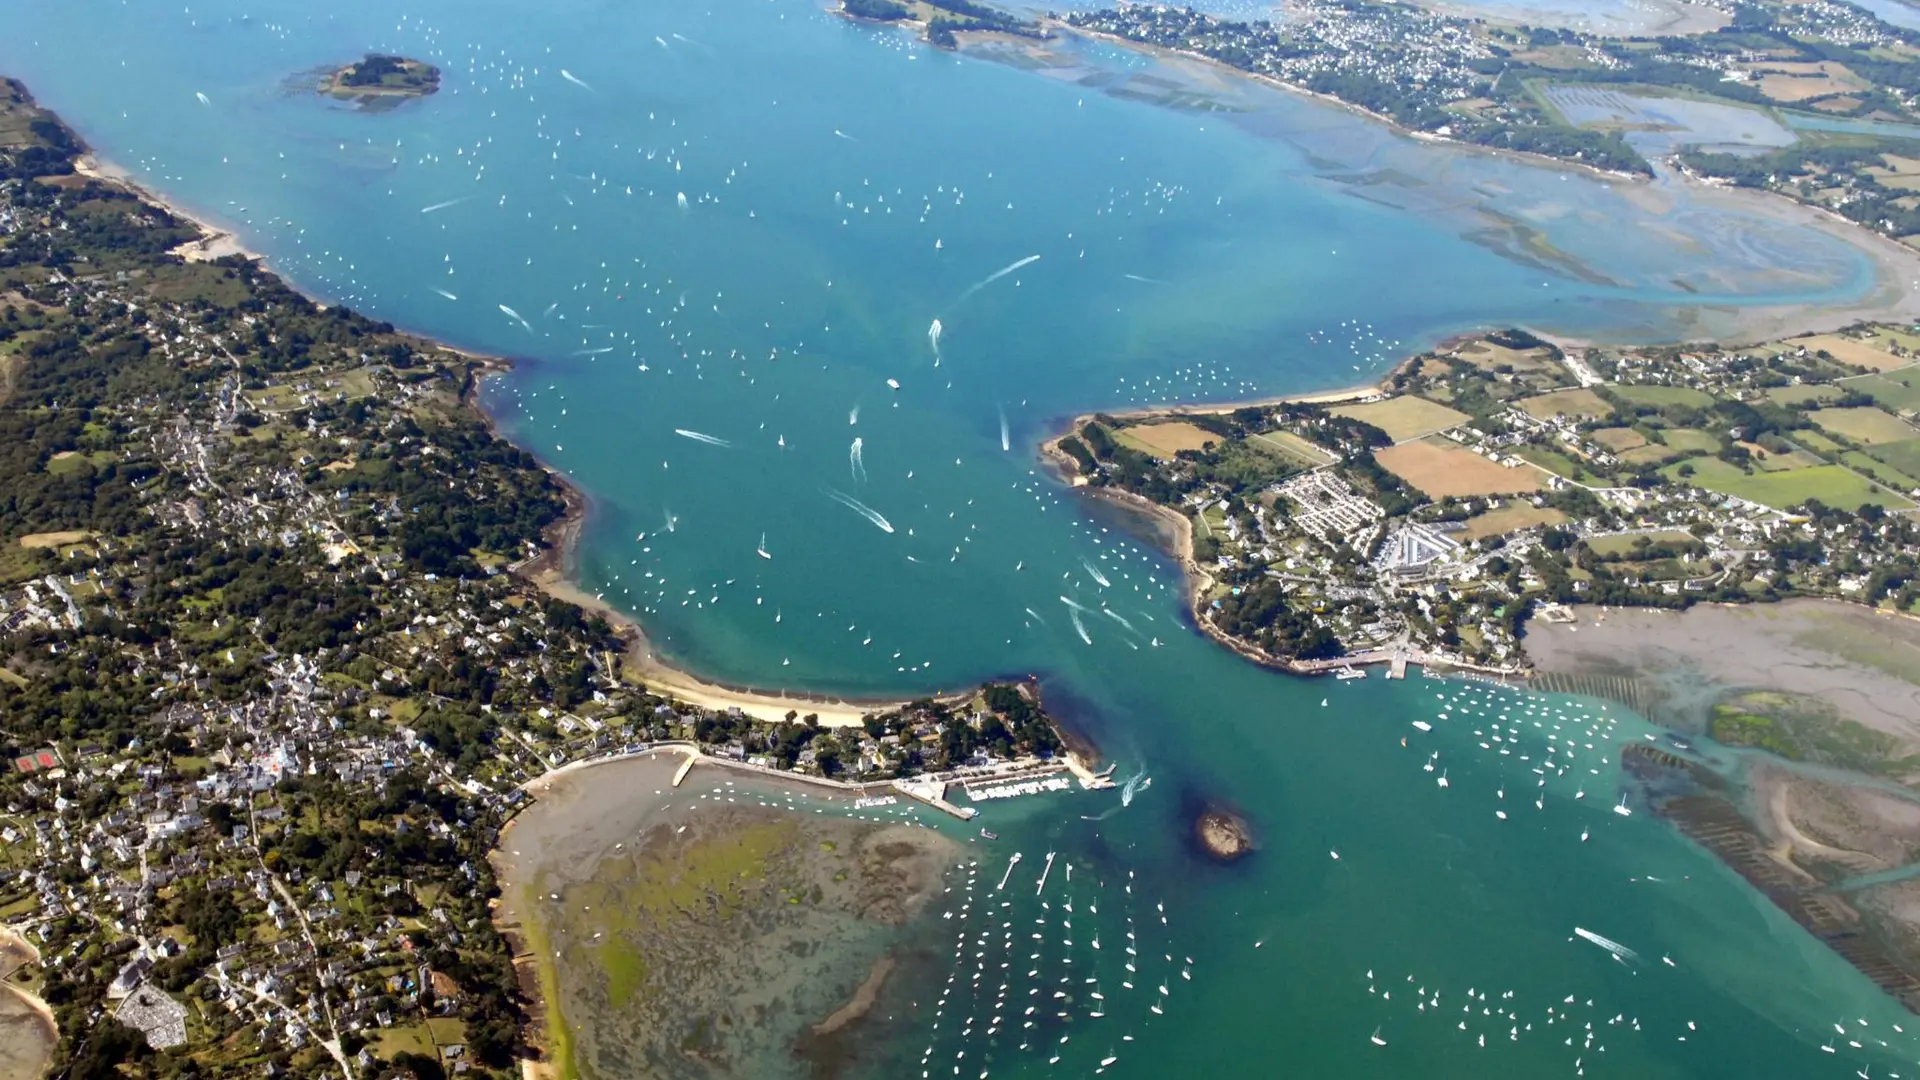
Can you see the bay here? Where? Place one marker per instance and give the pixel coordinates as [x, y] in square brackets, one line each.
[1199, 239]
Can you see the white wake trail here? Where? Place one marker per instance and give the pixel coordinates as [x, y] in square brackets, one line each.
[1618, 950]
[933, 338]
[697, 436]
[856, 461]
[1006, 444]
[575, 79]
[860, 508]
[1073, 614]
[997, 275]
[515, 316]
[1097, 575]
[444, 205]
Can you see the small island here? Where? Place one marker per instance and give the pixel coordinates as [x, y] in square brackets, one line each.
[939, 20]
[1224, 836]
[381, 79]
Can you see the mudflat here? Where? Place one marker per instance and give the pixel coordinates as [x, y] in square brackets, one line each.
[1862, 665]
[705, 930]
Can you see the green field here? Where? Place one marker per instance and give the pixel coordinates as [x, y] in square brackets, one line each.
[1291, 445]
[1792, 459]
[1904, 455]
[1879, 470]
[1895, 390]
[1817, 442]
[1833, 485]
[1624, 544]
[1404, 417]
[1551, 460]
[1581, 403]
[1660, 396]
[1804, 395]
[1692, 439]
[1864, 424]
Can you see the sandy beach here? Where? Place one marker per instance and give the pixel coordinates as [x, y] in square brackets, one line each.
[215, 241]
[28, 1033]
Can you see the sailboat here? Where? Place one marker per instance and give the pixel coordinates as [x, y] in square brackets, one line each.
[1622, 808]
[762, 549]
[1376, 1039]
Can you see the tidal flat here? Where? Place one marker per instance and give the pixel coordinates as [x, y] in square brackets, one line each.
[731, 926]
[1837, 684]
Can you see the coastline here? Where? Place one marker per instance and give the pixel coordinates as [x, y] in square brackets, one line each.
[1896, 267]
[1164, 52]
[551, 570]
[216, 242]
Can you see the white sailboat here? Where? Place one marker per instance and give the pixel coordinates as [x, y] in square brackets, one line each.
[1375, 1038]
[762, 549]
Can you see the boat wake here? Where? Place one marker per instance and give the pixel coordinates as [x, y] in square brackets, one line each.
[860, 508]
[996, 276]
[696, 436]
[1619, 951]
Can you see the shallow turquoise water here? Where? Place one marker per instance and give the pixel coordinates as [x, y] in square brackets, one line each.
[844, 188]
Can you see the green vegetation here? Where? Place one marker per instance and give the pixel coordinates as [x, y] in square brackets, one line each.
[378, 74]
[1806, 729]
[1830, 484]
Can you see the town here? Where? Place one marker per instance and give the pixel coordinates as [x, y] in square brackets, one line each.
[1502, 478]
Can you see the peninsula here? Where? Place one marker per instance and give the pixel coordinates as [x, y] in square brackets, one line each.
[1503, 476]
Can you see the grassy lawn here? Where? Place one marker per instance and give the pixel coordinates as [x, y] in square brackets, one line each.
[1286, 442]
[1659, 396]
[1904, 456]
[1551, 460]
[1404, 417]
[1864, 424]
[1817, 442]
[1768, 461]
[1653, 452]
[1508, 518]
[1163, 439]
[1804, 395]
[1618, 439]
[1582, 403]
[1869, 354]
[411, 1039]
[1624, 544]
[1879, 470]
[1895, 390]
[1831, 484]
[1691, 439]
